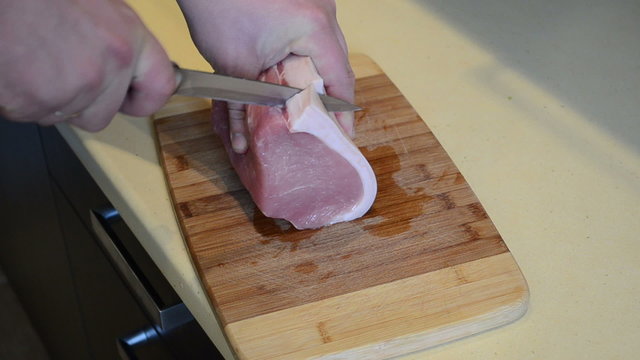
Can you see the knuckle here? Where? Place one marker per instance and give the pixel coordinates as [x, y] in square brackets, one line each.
[148, 94]
[120, 48]
[319, 20]
[319, 17]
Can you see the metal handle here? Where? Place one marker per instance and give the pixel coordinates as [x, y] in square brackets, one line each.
[143, 344]
[165, 318]
[126, 345]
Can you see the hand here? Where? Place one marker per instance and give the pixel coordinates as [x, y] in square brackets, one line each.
[79, 61]
[244, 37]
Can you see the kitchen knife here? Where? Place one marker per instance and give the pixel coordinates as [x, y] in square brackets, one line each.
[213, 86]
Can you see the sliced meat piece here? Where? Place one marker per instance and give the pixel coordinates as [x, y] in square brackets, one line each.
[300, 166]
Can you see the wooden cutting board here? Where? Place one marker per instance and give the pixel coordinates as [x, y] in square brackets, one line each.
[425, 266]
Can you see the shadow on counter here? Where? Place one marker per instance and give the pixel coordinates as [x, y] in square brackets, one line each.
[586, 55]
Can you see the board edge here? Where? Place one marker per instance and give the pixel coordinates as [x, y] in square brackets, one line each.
[401, 344]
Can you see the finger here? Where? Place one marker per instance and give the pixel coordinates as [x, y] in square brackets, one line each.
[55, 117]
[95, 105]
[238, 132]
[102, 110]
[71, 94]
[153, 82]
[341, 39]
[74, 107]
[346, 119]
[335, 70]
[332, 62]
[40, 112]
[347, 122]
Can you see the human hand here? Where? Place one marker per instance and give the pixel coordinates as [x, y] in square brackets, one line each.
[79, 61]
[244, 37]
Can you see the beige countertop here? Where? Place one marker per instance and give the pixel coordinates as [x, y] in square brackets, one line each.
[537, 104]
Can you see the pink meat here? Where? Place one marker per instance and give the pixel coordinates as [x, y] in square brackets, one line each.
[301, 166]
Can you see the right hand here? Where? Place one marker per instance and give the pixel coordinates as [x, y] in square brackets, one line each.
[79, 61]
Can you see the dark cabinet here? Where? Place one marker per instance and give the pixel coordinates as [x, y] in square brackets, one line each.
[32, 247]
[101, 295]
[78, 302]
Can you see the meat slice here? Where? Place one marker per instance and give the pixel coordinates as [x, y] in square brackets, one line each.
[301, 166]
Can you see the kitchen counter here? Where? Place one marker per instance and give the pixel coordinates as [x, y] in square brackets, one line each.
[538, 107]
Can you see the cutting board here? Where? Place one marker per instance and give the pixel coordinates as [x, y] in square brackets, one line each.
[424, 266]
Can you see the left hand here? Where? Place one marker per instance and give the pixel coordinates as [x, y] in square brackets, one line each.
[244, 37]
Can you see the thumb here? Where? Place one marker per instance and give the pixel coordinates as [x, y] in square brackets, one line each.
[238, 131]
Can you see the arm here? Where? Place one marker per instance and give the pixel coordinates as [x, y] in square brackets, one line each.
[79, 61]
[244, 37]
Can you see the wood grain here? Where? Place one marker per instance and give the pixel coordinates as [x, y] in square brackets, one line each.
[345, 327]
[380, 282]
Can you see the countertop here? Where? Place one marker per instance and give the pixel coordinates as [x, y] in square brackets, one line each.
[537, 103]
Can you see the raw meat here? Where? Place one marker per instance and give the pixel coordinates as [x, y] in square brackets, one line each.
[301, 166]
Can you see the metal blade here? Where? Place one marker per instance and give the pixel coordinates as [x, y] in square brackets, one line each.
[220, 87]
[334, 104]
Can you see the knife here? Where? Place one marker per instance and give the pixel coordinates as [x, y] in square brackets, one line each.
[220, 87]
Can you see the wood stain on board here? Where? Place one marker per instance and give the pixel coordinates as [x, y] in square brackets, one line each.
[386, 163]
[279, 230]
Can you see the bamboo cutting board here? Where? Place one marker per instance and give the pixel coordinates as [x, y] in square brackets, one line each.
[425, 266]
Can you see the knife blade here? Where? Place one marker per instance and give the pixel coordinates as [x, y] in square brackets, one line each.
[220, 87]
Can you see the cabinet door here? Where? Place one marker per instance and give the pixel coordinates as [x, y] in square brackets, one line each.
[32, 248]
[107, 307]
[67, 171]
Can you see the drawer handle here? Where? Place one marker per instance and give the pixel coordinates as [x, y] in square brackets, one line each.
[145, 343]
[166, 318]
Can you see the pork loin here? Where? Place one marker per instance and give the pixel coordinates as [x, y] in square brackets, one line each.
[300, 165]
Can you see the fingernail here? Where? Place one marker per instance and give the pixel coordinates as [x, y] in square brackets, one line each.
[238, 143]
